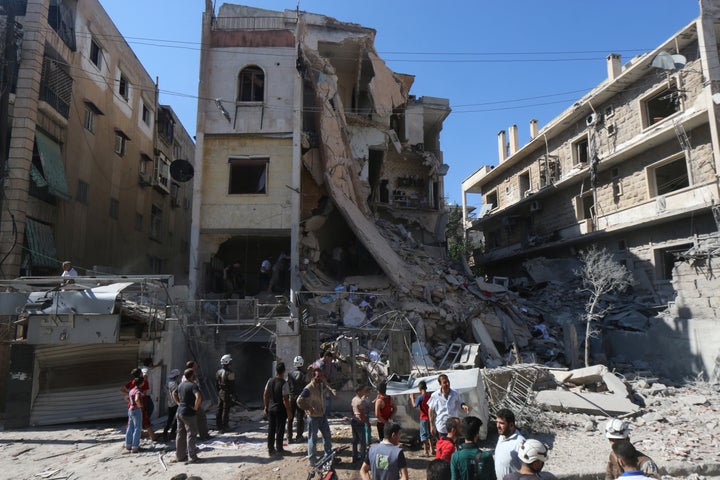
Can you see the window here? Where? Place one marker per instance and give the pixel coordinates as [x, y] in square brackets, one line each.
[585, 205]
[156, 264]
[146, 115]
[156, 223]
[580, 152]
[120, 140]
[665, 260]
[82, 192]
[95, 53]
[162, 172]
[492, 200]
[89, 121]
[124, 87]
[248, 175]
[668, 176]
[524, 184]
[174, 195]
[251, 85]
[139, 222]
[114, 208]
[660, 105]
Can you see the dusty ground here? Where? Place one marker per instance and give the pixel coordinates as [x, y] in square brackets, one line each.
[679, 428]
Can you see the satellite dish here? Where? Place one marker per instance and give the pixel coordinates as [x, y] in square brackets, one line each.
[181, 170]
[666, 61]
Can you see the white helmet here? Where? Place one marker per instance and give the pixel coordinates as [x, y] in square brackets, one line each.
[226, 359]
[617, 429]
[531, 450]
[299, 361]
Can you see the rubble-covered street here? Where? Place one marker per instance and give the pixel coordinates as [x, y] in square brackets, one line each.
[679, 428]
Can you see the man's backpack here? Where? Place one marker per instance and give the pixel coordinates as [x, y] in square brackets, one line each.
[482, 466]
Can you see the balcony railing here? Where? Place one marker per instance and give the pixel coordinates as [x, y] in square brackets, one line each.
[56, 87]
[251, 23]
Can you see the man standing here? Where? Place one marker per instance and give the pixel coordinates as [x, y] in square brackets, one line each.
[68, 270]
[627, 456]
[277, 408]
[445, 446]
[358, 423]
[533, 454]
[384, 408]
[616, 431]
[225, 385]
[444, 403]
[171, 423]
[469, 462]
[312, 400]
[203, 432]
[189, 401]
[296, 381]
[509, 441]
[385, 460]
[325, 365]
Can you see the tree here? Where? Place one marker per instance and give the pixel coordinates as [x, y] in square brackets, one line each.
[458, 247]
[600, 274]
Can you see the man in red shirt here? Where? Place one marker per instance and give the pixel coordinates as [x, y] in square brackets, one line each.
[445, 446]
[385, 409]
[421, 402]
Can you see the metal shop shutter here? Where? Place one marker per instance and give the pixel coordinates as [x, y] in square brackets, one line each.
[81, 382]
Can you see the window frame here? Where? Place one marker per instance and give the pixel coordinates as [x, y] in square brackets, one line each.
[89, 120]
[525, 187]
[124, 87]
[238, 174]
[666, 88]
[575, 154]
[96, 53]
[488, 196]
[660, 254]
[651, 174]
[146, 114]
[255, 73]
[120, 146]
[81, 194]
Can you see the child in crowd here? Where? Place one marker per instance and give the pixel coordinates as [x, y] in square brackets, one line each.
[421, 402]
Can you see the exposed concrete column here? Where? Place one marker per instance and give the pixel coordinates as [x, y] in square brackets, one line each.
[502, 146]
[22, 138]
[196, 270]
[464, 214]
[514, 141]
[707, 41]
[295, 280]
[614, 66]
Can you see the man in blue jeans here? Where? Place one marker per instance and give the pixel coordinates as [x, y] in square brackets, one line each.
[312, 400]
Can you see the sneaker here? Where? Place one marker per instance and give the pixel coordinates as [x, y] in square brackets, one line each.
[135, 450]
[195, 460]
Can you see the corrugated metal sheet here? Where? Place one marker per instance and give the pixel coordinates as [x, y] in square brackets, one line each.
[81, 382]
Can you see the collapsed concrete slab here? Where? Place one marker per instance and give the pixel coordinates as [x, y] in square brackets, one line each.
[571, 397]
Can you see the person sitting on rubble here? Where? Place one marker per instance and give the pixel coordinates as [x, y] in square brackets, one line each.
[629, 460]
[445, 446]
[617, 430]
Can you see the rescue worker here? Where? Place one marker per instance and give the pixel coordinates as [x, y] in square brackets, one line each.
[225, 385]
[297, 381]
[617, 430]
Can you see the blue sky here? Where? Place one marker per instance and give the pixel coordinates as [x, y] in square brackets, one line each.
[499, 63]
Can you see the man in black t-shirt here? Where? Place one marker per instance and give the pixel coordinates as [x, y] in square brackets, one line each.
[189, 400]
[297, 379]
[277, 407]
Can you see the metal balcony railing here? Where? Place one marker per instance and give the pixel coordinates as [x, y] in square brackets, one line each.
[251, 23]
[56, 87]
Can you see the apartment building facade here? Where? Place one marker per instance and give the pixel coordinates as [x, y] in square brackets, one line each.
[305, 138]
[90, 148]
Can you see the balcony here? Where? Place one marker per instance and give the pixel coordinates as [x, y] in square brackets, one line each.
[56, 87]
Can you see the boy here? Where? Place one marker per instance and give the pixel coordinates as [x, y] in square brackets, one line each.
[421, 402]
[358, 423]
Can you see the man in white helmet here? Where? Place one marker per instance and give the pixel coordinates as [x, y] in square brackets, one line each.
[225, 384]
[297, 379]
[533, 454]
[617, 430]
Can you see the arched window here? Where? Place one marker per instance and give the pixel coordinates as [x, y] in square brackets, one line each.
[251, 85]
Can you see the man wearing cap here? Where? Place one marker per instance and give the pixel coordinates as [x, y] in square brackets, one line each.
[172, 385]
[327, 375]
[68, 270]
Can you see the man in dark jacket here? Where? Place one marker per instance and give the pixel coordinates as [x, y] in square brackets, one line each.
[277, 408]
[225, 385]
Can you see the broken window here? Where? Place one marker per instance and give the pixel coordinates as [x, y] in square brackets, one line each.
[549, 170]
[89, 121]
[61, 17]
[251, 85]
[580, 151]
[585, 205]
[524, 184]
[124, 87]
[668, 176]
[146, 117]
[661, 105]
[665, 260]
[95, 53]
[156, 223]
[248, 175]
[120, 142]
[491, 199]
[82, 192]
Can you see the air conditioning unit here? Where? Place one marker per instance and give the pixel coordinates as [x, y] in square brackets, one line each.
[592, 119]
[535, 206]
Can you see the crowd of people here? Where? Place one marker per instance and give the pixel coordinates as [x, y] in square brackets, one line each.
[449, 431]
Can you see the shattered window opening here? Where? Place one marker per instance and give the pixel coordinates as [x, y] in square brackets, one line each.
[668, 177]
[251, 85]
[248, 175]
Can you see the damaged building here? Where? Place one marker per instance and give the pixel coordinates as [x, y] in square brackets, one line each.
[632, 166]
[310, 147]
